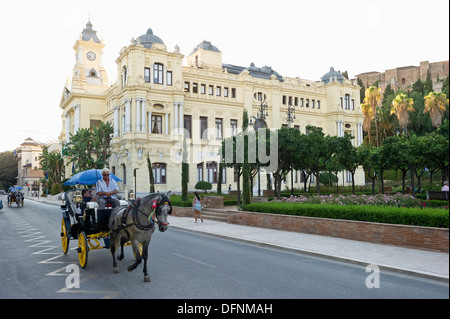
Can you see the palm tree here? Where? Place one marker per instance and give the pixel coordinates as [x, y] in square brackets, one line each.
[372, 99]
[367, 111]
[435, 104]
[401, 105]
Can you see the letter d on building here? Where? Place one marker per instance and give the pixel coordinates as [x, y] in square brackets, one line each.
[73, 279]
[373, 280]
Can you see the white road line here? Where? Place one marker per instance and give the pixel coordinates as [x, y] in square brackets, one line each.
[194, 260]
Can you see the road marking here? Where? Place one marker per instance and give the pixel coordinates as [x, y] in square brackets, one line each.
[194, 260]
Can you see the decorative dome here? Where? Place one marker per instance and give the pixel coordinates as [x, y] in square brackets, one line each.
[206, 45]
[149, 38]
[332, 76]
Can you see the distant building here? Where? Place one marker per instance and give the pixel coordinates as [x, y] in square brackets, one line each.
[28, 165]
[403, 77]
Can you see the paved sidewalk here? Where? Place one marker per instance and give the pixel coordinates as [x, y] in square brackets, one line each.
[425, 263]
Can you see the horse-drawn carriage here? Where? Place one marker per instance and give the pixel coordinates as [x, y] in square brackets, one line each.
[88, 225]
[131, 224]
[15, 197]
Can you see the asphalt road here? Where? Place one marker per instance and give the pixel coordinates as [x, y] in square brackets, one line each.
[182, 265]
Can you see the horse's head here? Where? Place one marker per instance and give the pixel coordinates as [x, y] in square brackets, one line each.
[164, 208]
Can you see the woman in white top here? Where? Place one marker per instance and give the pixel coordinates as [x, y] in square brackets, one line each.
[197, 207]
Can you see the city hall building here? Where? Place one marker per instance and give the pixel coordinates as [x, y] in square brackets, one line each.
[157, 98]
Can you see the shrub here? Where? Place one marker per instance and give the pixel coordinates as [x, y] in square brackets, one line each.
[379, 214]
[56, 189]
[203, 185]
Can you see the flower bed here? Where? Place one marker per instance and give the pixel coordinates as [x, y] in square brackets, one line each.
[395, 200]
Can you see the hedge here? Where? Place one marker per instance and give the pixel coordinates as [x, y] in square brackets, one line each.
[378, 214]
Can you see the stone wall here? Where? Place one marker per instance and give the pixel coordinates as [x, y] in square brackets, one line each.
[429, 238]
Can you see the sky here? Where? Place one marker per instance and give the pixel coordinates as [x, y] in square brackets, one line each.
[297, 38]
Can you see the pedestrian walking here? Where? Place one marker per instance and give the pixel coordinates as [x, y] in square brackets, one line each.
[197, 206]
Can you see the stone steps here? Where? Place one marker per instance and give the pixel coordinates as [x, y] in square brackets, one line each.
[215, 214]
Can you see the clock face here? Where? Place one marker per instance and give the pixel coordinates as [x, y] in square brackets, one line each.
[91, 56]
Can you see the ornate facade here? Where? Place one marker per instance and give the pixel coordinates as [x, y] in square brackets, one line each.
[155, 99]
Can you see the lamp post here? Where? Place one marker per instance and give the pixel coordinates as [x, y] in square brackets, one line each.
[261, 115]
[290, 114]
[290, 119]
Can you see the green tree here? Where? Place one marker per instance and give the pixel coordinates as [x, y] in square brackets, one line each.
[203, 185]
[398, 146]
[348, 156]
[319, 148]
[367, 152]
[90, 148]
[418, 86]
[246, 171]
[150, 174]
[53, 164]
[8, 170]
[289, 153]
[428, 85]
[185, 172]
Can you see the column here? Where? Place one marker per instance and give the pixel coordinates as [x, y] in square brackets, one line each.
[360, 134]
[127, 115]
[151, 76]
[150, 122]
[67, 127]
[165, 76]
[138, 115]
[175, 118]
[166, 124]
[143, 111]
[116, 121]
[181, 119]
[76, 126]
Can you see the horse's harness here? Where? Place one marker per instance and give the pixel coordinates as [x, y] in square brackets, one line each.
[135, 211]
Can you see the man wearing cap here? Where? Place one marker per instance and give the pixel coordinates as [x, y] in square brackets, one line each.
[106, 191]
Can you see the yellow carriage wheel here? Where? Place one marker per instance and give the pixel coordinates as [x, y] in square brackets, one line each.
[64, 237]
[83, 249]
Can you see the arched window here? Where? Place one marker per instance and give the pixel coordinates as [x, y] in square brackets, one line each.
[158, 77]
[403, 81]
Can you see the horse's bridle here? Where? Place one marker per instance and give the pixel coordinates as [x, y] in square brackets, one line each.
[152, 217]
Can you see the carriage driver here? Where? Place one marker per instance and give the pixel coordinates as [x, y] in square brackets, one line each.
[106, 191]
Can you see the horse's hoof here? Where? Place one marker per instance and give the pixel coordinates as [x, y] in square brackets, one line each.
[120, 257]
[147, 278]
[130, 268]
[116, 270]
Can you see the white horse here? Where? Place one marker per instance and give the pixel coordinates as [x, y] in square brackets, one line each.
[136, 223]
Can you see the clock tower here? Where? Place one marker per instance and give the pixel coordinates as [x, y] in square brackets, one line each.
[89, 75]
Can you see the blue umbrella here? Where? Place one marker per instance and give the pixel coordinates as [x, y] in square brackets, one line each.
[88, 177]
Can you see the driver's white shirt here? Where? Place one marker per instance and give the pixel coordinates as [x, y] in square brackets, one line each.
[102, 187]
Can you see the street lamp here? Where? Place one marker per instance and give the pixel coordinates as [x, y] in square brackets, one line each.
[261, 115]
[290, 114]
